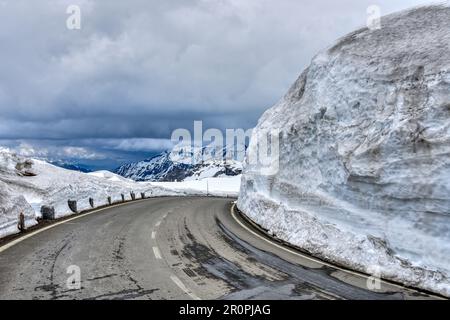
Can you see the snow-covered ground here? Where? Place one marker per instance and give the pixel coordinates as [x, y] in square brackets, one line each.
[364, 165]
[222, 186]
[28, 184]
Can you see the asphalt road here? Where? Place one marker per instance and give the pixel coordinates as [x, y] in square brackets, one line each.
[172, 248]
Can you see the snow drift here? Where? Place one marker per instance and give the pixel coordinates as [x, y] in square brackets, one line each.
[28, 184]
[364, 165]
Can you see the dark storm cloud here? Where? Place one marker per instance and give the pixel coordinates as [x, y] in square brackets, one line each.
[144, 68]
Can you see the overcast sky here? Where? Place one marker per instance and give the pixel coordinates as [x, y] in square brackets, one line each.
[114, 90]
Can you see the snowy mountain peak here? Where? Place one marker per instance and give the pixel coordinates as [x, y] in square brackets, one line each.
[182, 163]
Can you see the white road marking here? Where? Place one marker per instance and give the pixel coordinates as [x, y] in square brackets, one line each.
[158, 223]
[157, 253]
[183, 287]
[153, 235]
[287, 249]
[307, 257]
[18, 240]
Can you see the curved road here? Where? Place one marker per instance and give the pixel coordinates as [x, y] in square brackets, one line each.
[171, 248]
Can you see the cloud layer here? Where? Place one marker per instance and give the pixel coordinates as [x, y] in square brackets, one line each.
[140, 69]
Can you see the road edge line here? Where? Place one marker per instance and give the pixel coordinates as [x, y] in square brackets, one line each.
[181, 285]
[317, 260]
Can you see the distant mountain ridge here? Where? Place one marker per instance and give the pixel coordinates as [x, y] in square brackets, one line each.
[71, 166]
[162, 168]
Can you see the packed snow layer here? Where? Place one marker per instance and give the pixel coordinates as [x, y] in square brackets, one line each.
[11, 206]
[364, 164]
[27, 184]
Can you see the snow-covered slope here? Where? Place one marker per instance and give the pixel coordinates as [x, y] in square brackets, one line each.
[11, 203]
[162, 168]
[364, 165]
[70, 165]
[215, 169]
[28, 184]
[108, 175]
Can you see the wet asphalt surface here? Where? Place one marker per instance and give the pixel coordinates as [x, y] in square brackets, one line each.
[171, 248]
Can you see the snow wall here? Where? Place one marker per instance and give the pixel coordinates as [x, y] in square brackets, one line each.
[364, 163]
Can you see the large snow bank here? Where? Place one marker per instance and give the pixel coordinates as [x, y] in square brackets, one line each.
[364, 166]
[11, 206]
[27, 184]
